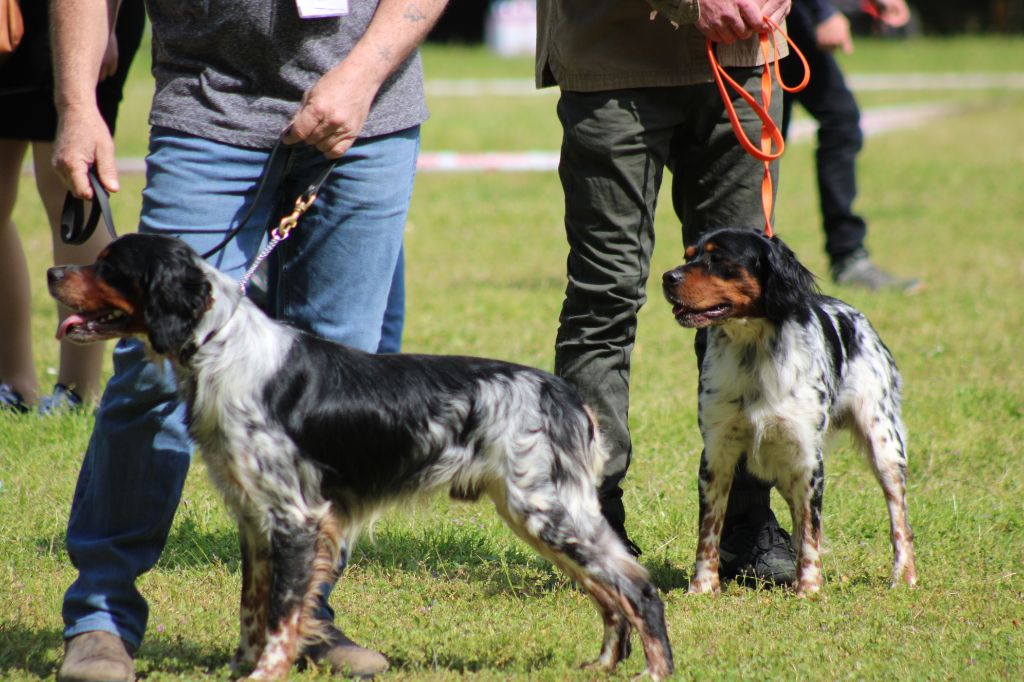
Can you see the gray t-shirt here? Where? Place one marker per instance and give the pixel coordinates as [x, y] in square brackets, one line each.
[235, 71]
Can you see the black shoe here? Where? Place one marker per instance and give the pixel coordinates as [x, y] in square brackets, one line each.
[757, 552]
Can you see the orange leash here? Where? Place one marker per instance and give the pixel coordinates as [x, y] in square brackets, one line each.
[771, 135]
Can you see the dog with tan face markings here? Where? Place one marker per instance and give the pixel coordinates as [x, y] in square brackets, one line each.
[309, 441]
[783, 368]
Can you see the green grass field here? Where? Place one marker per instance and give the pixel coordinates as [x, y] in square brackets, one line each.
[447, 592]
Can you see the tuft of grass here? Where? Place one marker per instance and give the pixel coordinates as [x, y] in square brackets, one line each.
[447, 592]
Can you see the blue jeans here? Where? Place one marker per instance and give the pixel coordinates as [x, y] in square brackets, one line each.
[394, 314]
[331, 277]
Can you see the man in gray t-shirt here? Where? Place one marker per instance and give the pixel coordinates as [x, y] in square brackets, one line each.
[231, 77]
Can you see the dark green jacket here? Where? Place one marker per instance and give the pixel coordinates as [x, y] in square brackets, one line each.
[592, 45]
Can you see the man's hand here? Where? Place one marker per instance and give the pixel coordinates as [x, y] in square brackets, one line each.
[333, 112]
[895, 13]
[726, 21]
[83, 139]
[834, 34]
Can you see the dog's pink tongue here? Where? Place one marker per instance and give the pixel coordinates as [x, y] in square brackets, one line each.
[73, 318]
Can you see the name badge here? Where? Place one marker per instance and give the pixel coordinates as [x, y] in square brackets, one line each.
[318, 9]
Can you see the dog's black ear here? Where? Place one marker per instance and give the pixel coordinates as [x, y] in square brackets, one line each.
[176, 294]
[787, 283]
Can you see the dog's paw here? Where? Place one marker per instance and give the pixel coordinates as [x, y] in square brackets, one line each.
[602, 664]
[705, 585]
[808, 590]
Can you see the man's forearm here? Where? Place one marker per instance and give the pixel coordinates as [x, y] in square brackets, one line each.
[397, 28]
[79, 31]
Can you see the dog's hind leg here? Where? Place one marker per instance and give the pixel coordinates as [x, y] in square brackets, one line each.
[577, 539]
[881, 435]
[330, 557]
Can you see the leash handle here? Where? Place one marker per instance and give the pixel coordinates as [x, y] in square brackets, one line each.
[772, 143]
[75, 229]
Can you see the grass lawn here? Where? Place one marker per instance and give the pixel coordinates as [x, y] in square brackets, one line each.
[447, 592]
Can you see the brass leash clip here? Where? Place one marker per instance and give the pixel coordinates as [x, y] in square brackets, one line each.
[290, 221]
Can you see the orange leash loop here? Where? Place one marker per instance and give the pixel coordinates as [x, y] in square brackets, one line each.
[771, 135]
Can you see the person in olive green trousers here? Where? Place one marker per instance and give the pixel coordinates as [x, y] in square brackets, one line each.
[636, 97]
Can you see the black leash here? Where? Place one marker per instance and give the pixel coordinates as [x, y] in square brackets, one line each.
[76, 229]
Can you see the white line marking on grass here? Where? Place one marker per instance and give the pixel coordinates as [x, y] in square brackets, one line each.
[874, 121]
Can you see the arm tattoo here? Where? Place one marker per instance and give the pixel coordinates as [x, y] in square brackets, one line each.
[413, 14]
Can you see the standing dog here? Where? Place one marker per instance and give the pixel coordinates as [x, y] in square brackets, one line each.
[784, 367]
[308, 440]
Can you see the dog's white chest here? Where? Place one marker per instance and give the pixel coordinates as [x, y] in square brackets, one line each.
[768, 410]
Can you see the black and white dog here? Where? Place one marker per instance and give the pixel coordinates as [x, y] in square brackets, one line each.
[784, 367]
[308, 440]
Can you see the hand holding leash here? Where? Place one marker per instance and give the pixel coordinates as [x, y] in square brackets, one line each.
[771, 135]
[83, 141]
[74, 227]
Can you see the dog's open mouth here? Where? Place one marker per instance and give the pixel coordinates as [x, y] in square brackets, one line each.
[692, 317]
[99, 325]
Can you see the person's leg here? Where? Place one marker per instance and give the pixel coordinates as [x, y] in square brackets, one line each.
[336, 275]
[333, 275]
[831, 103]
[139, 453]
[17, 369]
[394, 314]
[716, 184]
[614, 148]
[80, 365]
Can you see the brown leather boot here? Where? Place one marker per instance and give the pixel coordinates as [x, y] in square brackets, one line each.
[346, 657]
[96, 657]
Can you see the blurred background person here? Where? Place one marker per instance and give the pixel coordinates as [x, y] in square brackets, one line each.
[818, 29]
[28, 120]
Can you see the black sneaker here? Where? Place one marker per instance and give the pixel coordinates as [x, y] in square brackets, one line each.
[11, 400]
[757, 552]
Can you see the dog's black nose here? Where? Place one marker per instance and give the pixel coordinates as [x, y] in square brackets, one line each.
[672, 278]
[54, 275]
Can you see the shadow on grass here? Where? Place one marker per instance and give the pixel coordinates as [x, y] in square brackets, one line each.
[504, 565]
[39, 653]
[36, 651]
[668, 576]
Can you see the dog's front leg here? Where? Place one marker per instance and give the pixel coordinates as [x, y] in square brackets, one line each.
[292, 550]
[804, 493]
[714, 483]
[256, 577]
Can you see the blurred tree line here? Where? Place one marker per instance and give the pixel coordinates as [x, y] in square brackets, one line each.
[948, 17]
[463, 21]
